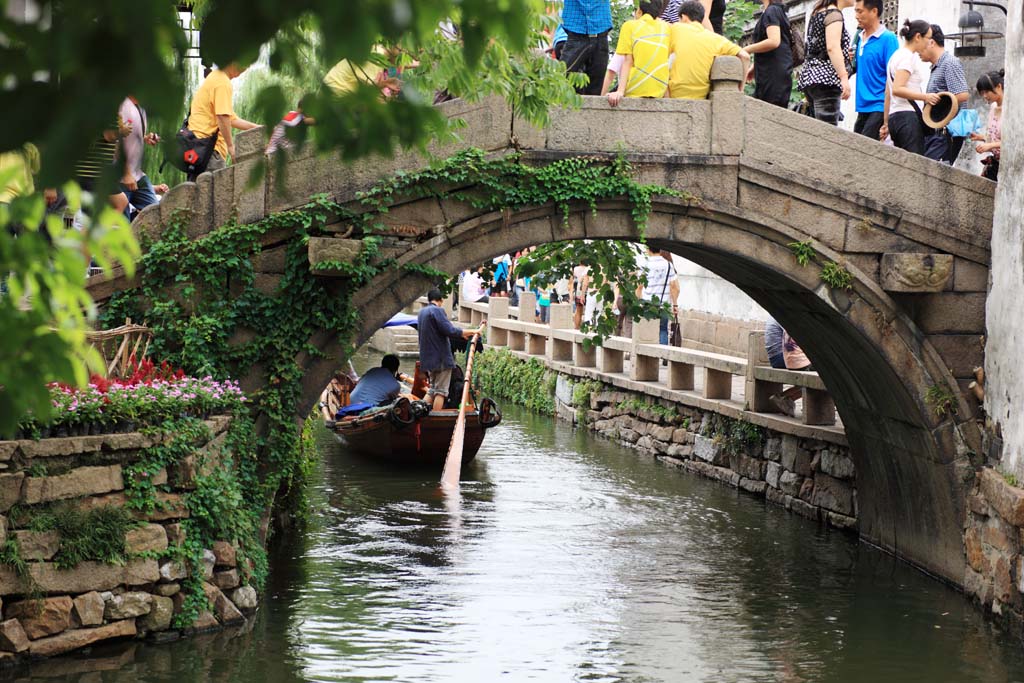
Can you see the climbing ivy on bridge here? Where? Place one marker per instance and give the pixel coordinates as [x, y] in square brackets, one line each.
[203, 298]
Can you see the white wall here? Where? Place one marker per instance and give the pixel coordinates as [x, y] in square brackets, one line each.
[1004, 351]
[702, 290]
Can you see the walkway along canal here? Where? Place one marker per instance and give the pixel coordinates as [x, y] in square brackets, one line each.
[571, 558]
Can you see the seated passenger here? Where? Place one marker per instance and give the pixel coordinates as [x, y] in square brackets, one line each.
[695, 49]
[380, 385]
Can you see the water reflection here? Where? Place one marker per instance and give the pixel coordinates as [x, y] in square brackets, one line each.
[565, 558]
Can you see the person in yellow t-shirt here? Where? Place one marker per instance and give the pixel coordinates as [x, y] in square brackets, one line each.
[643, 41]
[345, 76]
[695, 49]
[212, 110]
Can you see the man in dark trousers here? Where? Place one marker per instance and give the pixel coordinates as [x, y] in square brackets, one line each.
[587, 23]
[436, 358]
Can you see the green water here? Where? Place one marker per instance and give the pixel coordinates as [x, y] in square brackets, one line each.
[568, 558]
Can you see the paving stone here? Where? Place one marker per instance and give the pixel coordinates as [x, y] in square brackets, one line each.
[837, 465]
[832, 494]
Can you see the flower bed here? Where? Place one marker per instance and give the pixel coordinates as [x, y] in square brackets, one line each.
[151, 396]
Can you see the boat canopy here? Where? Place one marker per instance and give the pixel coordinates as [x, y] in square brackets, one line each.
[400, 319]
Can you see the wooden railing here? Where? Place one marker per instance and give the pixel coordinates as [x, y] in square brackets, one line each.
[117, 346]
[558, 341]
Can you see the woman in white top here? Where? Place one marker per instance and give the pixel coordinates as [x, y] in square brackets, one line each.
[905, 91]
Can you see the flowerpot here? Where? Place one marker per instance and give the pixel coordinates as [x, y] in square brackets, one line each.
[45, 432]
[60, 432]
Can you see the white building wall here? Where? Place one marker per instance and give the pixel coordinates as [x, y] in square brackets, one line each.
[701, 290]
[1004, 351]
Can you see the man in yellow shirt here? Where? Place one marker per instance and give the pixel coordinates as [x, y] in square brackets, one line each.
[213, 111]
[643, 41]
[345, 76]
[695, 49]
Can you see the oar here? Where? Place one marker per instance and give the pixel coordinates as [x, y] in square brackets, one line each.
[453, 463]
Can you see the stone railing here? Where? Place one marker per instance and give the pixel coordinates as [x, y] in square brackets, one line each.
[558, 341]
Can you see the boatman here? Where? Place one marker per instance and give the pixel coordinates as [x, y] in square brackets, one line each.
[436, 358]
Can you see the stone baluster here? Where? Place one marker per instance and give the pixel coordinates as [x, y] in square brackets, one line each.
[758, 391]
[560, 319]
[497, 310]
[644, 368]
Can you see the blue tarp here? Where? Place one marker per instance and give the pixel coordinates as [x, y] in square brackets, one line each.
[400, 319]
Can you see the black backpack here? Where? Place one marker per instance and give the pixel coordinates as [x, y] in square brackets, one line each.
[192, 154]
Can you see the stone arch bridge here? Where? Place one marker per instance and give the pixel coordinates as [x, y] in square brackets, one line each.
[914, 235]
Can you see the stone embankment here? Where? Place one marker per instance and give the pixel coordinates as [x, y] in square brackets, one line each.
[810, 477]
[65, 586]
[994, 543]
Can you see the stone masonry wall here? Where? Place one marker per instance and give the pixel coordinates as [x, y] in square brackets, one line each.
[994, 542]
[813, 478]
[60, 610]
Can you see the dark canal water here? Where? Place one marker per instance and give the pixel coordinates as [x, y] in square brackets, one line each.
[570, 559]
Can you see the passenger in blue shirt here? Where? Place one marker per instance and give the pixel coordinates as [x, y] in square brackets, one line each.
[436, 357]
[877, 45]
[380, 385]
[587, 23]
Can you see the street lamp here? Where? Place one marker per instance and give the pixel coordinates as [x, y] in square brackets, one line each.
[972, 33]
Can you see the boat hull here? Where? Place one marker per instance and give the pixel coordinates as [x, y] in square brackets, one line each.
[426, 442]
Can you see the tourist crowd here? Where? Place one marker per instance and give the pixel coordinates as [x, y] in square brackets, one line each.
[667, 48]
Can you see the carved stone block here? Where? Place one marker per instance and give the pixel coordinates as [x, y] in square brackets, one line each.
[916, 272]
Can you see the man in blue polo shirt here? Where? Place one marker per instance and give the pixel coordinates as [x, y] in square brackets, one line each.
[380, 385]
[587, 23]
[877, 45]
[436, 357]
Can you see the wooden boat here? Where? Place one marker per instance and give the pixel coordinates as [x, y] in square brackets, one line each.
[409, 431]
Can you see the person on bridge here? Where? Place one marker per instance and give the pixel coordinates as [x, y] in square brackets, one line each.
[990, 87]
[695, 49]
[876, 47]
[587, 23]
[901, 113]
[947, 76]
[714, 14]
[643, 44]
[660, 276]
[380, 385]
[135, 183]
[773, 61]
[436, 358]
[212, 113]
[825, 80]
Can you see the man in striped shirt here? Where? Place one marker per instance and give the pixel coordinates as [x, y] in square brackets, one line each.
[587, 23]
[947, 76]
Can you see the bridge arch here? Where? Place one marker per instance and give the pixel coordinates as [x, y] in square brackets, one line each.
[765, 178]
[875, 361]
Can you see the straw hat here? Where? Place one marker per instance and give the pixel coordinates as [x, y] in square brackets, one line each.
[945, 110]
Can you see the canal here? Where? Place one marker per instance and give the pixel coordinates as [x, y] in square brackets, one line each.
[568, 558]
